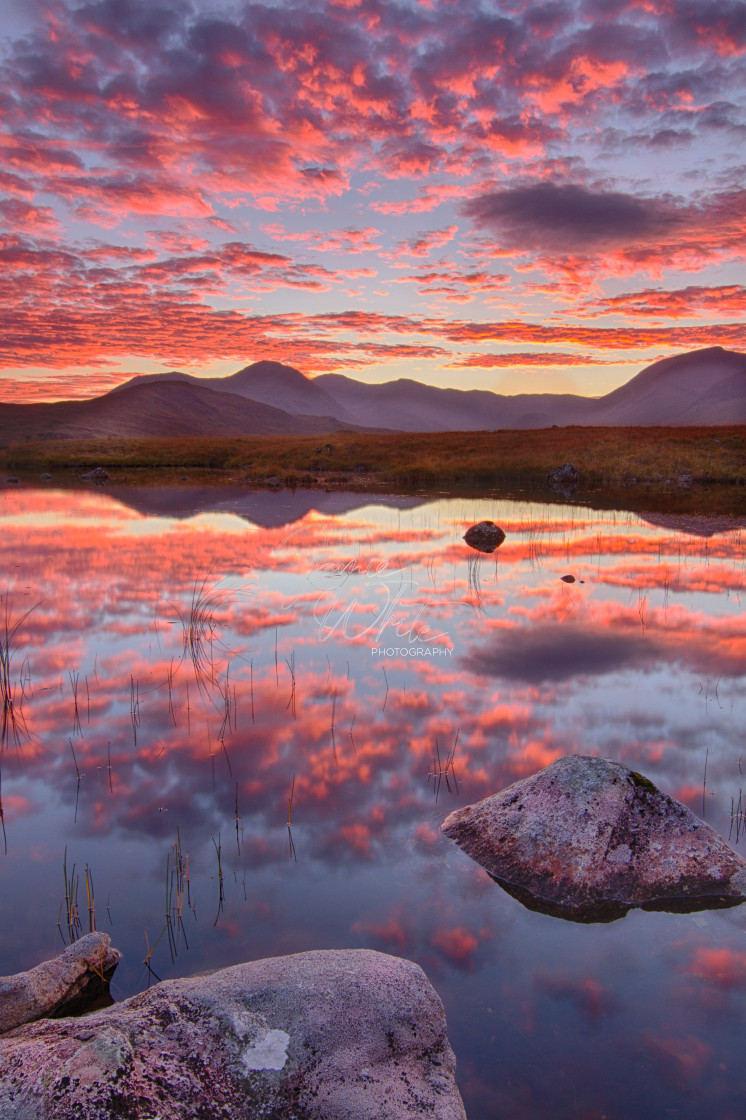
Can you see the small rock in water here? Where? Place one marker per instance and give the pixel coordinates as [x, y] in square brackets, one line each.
[568, 579]
[485, 536]
[564, 479]
[12, 479]
[588, 839]
[98, 474]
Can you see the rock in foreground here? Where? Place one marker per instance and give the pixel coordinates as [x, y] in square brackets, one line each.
[587, 839]
[334, 1035]
[78, 978]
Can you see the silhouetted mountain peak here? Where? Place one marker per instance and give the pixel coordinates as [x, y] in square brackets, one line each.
[277, 373]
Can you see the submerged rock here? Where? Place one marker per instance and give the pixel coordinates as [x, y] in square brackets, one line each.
[564, 479]
[98, 474]
[485, 536]
[587, 839]
[347, 1034]
[67, 985]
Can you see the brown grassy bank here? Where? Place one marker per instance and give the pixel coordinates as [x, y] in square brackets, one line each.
[634, 463]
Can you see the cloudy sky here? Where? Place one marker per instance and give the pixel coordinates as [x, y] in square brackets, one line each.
[515, 196]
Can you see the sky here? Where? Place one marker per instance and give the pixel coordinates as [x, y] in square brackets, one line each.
[522, 197]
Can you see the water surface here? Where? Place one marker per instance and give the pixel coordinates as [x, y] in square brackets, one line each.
[198, 667]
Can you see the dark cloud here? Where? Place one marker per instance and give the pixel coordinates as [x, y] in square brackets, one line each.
[549, 216]
[560, 653]
[131, 22]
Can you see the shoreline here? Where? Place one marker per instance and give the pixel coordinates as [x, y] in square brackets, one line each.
[682, 470]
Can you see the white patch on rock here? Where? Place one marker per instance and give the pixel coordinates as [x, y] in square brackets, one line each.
[269, 1052]
[622, 854]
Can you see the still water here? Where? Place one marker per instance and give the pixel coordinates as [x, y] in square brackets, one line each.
[240, 719]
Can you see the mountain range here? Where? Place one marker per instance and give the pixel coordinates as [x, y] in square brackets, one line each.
[268, 398]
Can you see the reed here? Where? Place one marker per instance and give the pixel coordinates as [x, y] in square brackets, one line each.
[199, 631]
[290, 662]
[229, 709]
[150, 950]
[170, 685]
[2, 816]
[78, 776]
[447, 771]
[237, 823]
[221, 885]
[134, 707]
[13, 728]
[177, 892]
[737, 817]
[90, 899]
[72, 913]
[74, 678]
[291, 845]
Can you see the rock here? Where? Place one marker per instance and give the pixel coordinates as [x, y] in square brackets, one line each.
[335, 1035]
[485, 536]
[46, 477]
[568, 579]
[66, 985]
[98, 474]
[12, 479]
[564, 479]
[587, 839]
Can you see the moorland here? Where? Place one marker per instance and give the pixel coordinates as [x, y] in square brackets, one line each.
[697, 469]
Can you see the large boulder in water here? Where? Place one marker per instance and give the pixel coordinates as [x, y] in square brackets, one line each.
[328, 1035]
[68, 984]
[587, 839]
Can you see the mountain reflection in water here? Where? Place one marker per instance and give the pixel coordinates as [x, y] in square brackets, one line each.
[203, 671]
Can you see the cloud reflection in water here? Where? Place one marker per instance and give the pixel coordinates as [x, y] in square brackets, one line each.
[645, 662]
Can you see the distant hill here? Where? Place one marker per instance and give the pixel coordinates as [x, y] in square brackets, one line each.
[270, 383]
[165, 408]
[413, 407]
[265, 398]
[701, 387]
